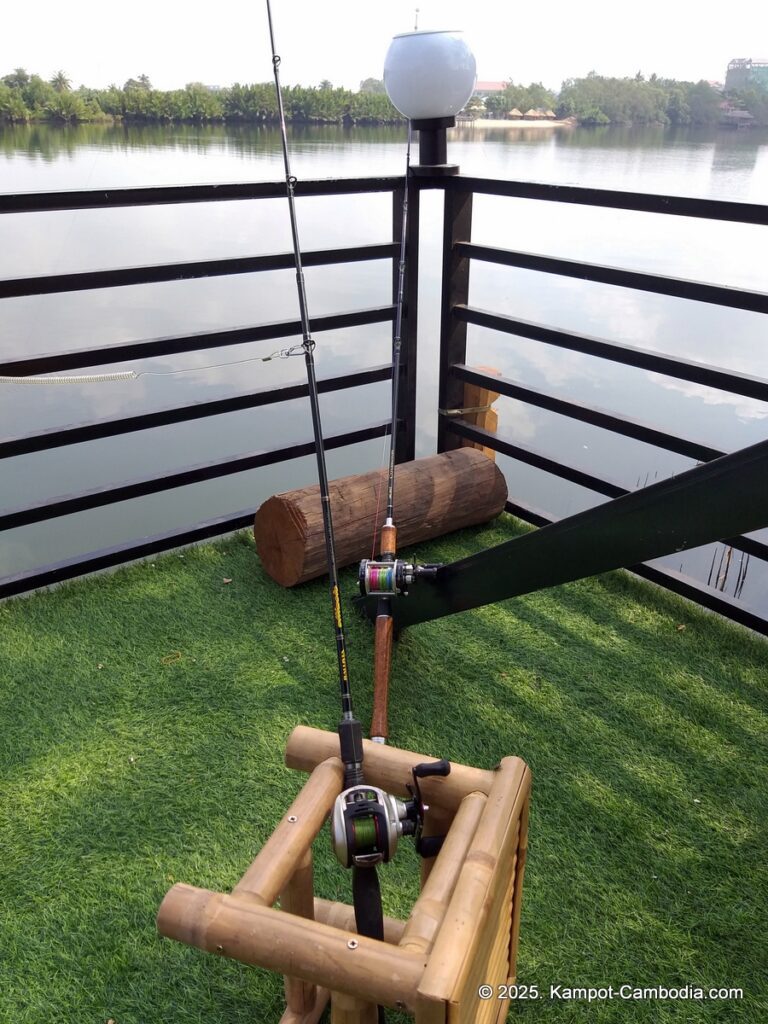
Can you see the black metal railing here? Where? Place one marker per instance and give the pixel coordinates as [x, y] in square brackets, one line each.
[458, 253]
[56, 362]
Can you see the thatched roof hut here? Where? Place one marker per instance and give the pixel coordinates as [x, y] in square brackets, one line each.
[551, 115]
[515, 113]
[532, 115]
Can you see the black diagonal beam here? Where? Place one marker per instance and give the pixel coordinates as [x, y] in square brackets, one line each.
[705, 504]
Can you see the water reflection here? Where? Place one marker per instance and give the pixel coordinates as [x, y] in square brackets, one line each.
[655, 159]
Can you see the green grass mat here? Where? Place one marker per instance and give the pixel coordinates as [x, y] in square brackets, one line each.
[144, 716]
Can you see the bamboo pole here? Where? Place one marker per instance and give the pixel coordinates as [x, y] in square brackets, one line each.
[430, 1011]
[460, 932]
[298, 898]
[486, 417]
[281, 854]
[237, 926]
[517, 896]
[429, 910]
[389, 767]
[351, 1010]
[342, 915]
[312, 1016]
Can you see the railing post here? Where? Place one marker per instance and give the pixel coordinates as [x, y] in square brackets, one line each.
[405, 448]
[455, 290]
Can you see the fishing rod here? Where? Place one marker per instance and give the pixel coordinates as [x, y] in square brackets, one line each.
[366, 822]
[350, 729]
[389, 576]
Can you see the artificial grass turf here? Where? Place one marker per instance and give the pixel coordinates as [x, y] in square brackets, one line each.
[144, 716]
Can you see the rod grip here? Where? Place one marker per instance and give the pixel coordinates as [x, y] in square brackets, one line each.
[382, 663]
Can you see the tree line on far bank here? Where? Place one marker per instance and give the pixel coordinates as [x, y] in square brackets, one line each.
[594, 99]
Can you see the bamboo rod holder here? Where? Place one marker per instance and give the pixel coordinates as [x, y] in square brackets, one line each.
[462, 931]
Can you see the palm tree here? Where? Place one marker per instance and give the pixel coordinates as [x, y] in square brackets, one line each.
[60, 82]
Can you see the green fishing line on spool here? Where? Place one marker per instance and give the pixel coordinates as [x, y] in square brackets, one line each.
[366, 834]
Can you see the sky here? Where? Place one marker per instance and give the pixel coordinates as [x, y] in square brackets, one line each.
[344, 42]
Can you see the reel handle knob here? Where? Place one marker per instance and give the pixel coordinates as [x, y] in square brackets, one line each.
[423, 771]
[430, 846]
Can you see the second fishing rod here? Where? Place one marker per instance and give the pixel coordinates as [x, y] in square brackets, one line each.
[367, 822]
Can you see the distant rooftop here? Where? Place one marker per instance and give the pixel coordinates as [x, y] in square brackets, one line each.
[490, 86]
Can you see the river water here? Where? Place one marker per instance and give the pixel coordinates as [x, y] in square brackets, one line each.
[727, 165]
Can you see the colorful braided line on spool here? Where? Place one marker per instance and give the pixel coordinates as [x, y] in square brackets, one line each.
[381, 579]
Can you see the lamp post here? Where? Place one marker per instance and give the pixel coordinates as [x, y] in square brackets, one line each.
[429, 76]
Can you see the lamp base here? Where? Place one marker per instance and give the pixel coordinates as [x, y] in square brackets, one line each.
[433, 146]
[433, 170]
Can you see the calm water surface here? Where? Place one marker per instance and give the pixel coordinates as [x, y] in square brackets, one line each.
[725, 165]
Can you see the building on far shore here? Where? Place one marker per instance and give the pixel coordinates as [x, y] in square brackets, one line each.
[486, 88]
[746, 73]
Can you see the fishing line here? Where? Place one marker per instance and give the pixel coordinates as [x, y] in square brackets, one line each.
[108, 378]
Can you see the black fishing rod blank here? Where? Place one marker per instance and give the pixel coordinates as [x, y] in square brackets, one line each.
[350, 729]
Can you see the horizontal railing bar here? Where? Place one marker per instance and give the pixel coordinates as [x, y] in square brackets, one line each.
[672, 366]
[188, 271]
[719, 295]
[576, 476]
[119, 554]
[643, 202]
[680, 584]
[55, 362]
[97, 429]
[65, 505]
[587, 414]
[534, 458]
[99, 199]
[683, 206]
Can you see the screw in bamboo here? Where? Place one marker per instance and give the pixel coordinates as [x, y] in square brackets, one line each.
[482, 399]
[389, 768]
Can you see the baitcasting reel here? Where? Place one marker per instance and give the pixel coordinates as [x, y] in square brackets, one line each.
[367, 822]
[390, 579]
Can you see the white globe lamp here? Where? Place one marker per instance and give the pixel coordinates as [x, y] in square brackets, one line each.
[429, 76]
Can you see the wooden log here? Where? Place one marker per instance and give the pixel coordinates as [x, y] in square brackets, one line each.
[298, 898]
[435, 496]
[429, 910]
[389, 767]
[342, 961]
[481, 400]
[283, 851]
